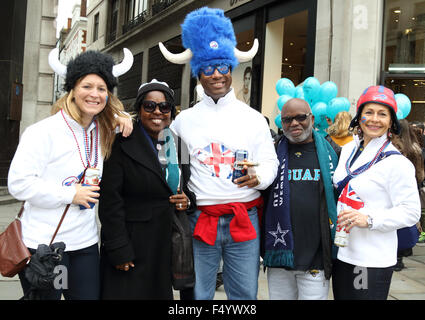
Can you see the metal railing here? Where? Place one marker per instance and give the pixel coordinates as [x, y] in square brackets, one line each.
[156, 8]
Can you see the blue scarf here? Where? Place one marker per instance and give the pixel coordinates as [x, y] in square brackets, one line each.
[279, 240]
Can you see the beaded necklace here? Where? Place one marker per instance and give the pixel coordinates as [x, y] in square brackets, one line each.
[367, 165]
[88, 145]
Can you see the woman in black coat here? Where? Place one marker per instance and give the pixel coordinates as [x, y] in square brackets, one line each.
[140, 191]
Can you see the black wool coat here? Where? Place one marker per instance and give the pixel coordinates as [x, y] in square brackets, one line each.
[136, 220]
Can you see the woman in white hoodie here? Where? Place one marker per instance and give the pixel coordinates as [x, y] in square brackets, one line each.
[379, 196]
[50, 159]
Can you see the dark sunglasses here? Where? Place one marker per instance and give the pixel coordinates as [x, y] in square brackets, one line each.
[222, 68]
[299, 118]
[150, 106]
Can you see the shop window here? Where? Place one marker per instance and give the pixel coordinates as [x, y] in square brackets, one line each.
[96, 27]
[404, 52]
[284, 56]
[404, 36]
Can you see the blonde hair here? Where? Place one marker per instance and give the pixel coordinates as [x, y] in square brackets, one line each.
[340, 126]
[105, 119]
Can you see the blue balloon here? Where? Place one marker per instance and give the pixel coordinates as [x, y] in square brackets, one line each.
[282, 100]
[299, 93]
[311, 89]
[285, 86]
[399, 114]
[403, 104]
[278, 121]
[328, 91]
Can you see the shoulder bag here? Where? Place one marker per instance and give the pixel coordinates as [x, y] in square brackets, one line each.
[14, 254]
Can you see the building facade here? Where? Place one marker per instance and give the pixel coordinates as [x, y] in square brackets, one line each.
[72, 41]
[352, 43]
[26, 91]
[12, 21]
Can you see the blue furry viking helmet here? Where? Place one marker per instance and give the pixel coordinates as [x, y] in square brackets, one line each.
[209, 39]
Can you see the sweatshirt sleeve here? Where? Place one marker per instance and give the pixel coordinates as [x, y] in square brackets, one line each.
[265, 155]
[404, 196]
[28, 165]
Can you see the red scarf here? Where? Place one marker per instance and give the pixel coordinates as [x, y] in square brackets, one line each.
[241, 228]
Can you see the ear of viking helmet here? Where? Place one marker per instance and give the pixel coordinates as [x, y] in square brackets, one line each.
[247, 55]
[55, 64]
[185, 56]
[177, 58]
[117, 70]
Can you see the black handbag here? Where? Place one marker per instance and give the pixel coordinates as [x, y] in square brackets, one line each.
[182, 265]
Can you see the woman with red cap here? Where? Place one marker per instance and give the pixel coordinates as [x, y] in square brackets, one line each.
[377, 195]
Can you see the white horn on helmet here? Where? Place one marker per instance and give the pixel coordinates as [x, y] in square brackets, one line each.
[125, 65]
[248, 55]
[177, 58]
[55, 64]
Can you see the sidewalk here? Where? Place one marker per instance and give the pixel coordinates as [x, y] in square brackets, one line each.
[408, 284]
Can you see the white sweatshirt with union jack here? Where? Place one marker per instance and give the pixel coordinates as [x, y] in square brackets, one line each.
[213, 132]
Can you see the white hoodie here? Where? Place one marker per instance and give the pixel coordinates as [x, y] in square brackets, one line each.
[390, 196]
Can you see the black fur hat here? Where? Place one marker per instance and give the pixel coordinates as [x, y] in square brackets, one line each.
[90, 62]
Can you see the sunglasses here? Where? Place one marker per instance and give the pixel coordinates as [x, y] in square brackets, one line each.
[150, 106]
[209, 70]
[299, 118]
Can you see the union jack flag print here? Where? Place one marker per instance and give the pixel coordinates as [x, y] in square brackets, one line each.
[214, 155]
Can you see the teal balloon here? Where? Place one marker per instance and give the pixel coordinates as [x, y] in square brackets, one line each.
[346, 105]
[282, 100]
[400, 114]
[337, 105]
[328, 91]
[285, 86]
[311, 89]
[321, 124]
[299, 93]
[403, 104]
[319, 112]
[278, 121]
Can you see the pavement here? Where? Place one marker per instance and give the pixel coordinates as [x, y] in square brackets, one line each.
[407, 284]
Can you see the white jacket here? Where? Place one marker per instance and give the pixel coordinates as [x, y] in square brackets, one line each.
[390, 196]
[213, 132]
[47, 159]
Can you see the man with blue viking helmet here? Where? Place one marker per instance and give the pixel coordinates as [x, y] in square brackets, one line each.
[208, 37]
[226, 224]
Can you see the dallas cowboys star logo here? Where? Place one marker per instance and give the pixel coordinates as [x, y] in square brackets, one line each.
[279, 235]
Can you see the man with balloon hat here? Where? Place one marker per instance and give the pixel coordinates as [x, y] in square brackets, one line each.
[226, 224]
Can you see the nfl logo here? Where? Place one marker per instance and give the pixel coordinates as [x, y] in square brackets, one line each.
[214, 45]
